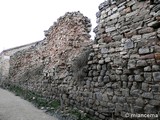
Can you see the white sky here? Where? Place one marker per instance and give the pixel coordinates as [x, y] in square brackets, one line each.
[23, 21]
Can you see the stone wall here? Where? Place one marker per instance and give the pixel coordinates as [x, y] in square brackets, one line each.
[26, 64]
[124, 67]
[118, 74]
[43, 68]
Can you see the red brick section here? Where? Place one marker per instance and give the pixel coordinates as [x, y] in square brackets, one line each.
[155, 56]
[149, 56]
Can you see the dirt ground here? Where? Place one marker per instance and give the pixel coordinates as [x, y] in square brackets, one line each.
[14, 108]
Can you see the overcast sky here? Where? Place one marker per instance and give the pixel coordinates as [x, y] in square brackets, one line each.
[23, 21]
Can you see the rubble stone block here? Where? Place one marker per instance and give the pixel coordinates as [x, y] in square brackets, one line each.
[128, 44]
[145, 50]
[132, 64]
[156, 76]
[148, 95]
[138, 78]
[109, 29]
[145, 30]
[141, 63]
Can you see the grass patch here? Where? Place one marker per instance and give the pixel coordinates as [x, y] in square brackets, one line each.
[55, 104]
[80, 115]
[41, 102]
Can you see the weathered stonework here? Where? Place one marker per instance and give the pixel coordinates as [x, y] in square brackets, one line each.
[132, 62]
[120, 74]
[45, 67]
[5, 58]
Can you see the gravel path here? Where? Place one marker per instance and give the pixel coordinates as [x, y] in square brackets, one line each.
[14, 108]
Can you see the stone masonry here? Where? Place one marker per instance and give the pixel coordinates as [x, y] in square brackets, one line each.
[122, 72]
[5, 58]
[43, 68]
[124, 67]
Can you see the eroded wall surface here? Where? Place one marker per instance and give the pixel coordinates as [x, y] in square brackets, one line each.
[5, 59]
[122, 73]
[124, 67]
[43, 68]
